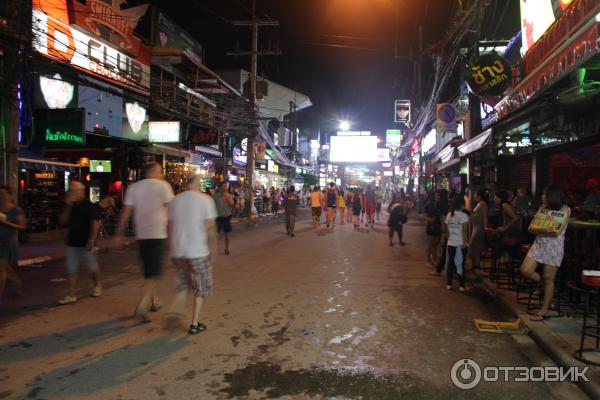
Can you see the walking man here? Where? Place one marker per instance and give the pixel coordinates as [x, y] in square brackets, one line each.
[148, 200]
[193, 243]
[291, 209]
[224, 204]
[332, 199]
[316, 205]
[82, 219]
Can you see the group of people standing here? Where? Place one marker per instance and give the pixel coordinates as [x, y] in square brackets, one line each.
[468, 225]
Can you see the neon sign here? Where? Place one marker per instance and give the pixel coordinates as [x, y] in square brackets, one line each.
[70, 46]
[62, 137]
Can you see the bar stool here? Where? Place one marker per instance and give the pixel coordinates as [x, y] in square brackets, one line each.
[525, 288]
[590, 290]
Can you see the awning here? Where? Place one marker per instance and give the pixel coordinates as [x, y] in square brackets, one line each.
[169, 150]
[208, 150]
[448, 164]
[32, 161]
[476, 143]
[446, 153]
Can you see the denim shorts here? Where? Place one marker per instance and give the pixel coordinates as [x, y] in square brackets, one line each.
[75, 256]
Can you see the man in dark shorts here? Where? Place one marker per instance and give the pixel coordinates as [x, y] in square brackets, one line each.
[147, 200]
[332, 199]
[316, 205]
[291, 210]
[224, 203]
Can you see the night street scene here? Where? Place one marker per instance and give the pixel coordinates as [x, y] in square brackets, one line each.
[299, 199]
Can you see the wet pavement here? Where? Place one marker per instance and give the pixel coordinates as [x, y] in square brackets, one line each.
[325, 315]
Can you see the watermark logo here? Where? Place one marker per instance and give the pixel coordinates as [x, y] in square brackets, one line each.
[467, 374]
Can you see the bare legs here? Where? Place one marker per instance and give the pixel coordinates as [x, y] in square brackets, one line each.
[432, 246]
[72, 278]
[226, 243]
[528, 270]
[149, 299]
[342, 215]
[178, 305]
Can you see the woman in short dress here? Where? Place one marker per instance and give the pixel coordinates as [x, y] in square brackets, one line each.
[548, 250]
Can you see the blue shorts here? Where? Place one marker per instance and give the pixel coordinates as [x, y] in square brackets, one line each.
[79, 255]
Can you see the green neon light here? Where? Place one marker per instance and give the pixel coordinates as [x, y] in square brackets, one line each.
[59, 136]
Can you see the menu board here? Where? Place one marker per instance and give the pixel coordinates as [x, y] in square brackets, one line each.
[548, 221]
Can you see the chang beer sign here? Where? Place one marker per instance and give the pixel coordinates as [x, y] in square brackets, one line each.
[489, 76]
[60, 128]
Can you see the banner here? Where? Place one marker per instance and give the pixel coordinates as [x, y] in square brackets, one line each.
[170, 35]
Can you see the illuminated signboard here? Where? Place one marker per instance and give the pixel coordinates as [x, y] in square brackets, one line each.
[239, 156]
[536, 18]
[60, 128]
[71, 46]
[489, 75]
[354, 133]
[100, 166]
[164, 131]
[354, 149]
[428, 141]
[393, 137]
[402, 111]
[135, 126]
[270, 165]
[57, 92]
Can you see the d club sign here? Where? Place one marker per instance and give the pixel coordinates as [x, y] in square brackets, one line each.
[66, 44]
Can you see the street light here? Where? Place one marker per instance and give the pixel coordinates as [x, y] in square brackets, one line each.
[344, 125]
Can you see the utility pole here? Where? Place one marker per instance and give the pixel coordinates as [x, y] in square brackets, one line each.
[253, 53]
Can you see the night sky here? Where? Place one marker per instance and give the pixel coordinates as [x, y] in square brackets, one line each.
[338, 52]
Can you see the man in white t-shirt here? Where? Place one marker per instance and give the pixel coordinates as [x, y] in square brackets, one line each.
[147, 200]
[457, 223]
[193, 241]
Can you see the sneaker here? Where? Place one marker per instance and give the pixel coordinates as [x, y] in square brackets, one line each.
[449, 287]
[67, 300]
[97, 291]
[461, 289]
[197, 328]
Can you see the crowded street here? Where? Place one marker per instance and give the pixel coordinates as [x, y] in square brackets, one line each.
[326, 314]
[299, 200]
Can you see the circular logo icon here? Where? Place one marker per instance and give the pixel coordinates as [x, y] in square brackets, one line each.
[465, 374]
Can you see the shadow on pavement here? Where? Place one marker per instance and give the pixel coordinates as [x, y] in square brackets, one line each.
[46, 345]
[95, 374]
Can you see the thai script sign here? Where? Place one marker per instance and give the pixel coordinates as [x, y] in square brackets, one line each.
[489, 75]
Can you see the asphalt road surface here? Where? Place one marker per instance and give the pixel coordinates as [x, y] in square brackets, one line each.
[324, 315]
